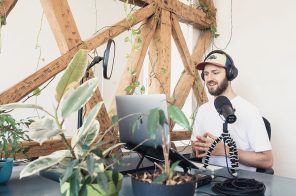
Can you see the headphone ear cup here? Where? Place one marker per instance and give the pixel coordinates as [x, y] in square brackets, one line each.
[232, 73]
[202, 75]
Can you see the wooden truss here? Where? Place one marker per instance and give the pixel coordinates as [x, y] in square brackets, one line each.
[160, 20]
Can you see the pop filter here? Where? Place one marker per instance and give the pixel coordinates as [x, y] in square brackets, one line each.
[107, 56]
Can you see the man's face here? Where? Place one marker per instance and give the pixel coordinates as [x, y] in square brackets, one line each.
[215, 79]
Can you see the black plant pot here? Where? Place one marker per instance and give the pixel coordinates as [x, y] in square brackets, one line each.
[141, 188]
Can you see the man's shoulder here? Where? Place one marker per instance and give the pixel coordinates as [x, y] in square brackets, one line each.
[240, 102]
[207, 105]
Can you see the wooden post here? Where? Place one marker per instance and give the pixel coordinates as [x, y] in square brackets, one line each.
[134, 65]
[6, 7]
[160, 57]
[61, 21]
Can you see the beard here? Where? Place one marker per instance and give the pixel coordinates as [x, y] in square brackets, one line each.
[220, 88]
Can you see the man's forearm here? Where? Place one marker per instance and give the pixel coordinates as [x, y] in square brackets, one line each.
[256, 159]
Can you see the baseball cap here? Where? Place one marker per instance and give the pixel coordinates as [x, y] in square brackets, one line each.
[217, 59]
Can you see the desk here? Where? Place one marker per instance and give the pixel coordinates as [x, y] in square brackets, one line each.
[34, 185]
[37, 185]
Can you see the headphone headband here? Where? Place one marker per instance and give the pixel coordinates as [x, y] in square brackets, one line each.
[231, 70]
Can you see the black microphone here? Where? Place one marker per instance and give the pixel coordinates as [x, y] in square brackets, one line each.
[224, 108]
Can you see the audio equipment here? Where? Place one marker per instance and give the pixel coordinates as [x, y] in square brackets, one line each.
[231, 70]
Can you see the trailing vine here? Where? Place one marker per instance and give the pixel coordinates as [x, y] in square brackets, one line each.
[135, 40]
[210, 14]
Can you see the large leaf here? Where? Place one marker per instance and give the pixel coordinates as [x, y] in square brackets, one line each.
[153, 121]
[178, 116]
[111, 148]
[102, 180]
[12, 106]
[161, 178]
[75, 183]
[83, 144]
[44, 129]
[73, 74]
[85, 131]
[79, 97]
[90, 161]
[44, 162]
[69, 171]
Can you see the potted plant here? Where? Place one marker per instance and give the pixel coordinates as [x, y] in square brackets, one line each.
[83, 164]
[165, 181]
[12, 132]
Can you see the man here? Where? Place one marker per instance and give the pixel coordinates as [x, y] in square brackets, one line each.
[248, 131]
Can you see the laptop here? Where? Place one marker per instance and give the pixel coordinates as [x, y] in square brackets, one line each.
[131, 108]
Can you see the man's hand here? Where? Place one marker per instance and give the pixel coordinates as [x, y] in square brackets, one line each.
[202, 144]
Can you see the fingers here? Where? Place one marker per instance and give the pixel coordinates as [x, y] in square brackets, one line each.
[207, 134]
[201, 155]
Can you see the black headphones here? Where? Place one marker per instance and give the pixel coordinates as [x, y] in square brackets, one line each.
[231, 70]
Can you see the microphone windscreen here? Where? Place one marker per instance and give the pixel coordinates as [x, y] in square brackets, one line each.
[220, 102]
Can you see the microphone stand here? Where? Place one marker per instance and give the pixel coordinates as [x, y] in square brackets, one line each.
[225, 136]
[96, 60]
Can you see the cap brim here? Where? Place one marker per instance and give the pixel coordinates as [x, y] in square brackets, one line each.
[202, 65]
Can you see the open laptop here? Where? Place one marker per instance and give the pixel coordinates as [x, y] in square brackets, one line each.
[131, 108]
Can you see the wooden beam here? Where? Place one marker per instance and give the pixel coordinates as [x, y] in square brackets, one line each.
[140, 3]
[46, 148]
[188, 76]
[185, 13]
[182, 89]
[6, 6]
[51, 146]
[180, 135]
[61, 21]
[206, 38]
[160, 57]
[134, 65]
[100, 38]
[181, 45]
[23, 88]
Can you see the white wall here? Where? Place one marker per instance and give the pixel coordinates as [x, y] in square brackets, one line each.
[261, 46]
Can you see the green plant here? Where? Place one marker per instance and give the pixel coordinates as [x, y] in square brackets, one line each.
[12, 132]
[157, 121]
[83, 163]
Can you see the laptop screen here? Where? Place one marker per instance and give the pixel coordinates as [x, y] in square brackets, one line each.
[132, 108]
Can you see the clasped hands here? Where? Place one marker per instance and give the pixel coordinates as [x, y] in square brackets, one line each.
[202, 144]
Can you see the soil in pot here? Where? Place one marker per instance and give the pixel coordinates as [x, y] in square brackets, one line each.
[181, 184]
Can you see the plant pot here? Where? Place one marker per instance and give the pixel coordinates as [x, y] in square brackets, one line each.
[112, 189]
[5, 170]
[141, 188]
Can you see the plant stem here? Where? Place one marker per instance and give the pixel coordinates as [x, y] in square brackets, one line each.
[68, 145]
[166, 151]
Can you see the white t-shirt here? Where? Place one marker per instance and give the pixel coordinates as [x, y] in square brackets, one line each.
[248, 131]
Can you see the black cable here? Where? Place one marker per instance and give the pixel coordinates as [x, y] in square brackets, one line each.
[205, 193]
[240, 186]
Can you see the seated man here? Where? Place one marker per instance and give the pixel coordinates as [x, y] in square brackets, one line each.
[248, 132]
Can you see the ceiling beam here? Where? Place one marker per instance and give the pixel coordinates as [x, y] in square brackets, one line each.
[185, 13]
[24, 87]
[62, 24]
